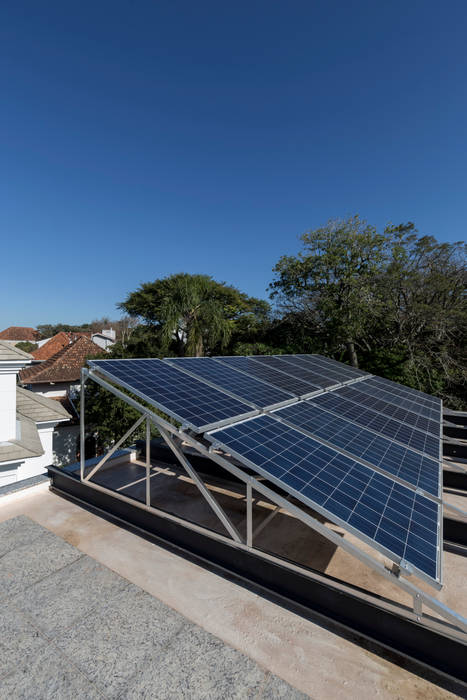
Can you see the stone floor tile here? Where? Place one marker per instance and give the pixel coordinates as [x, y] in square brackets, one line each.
[277, 689]
[18, 638]
[47, 676]
[69, 594]
[29, 563]
[118, 640]
[18, 531]
[196, 665]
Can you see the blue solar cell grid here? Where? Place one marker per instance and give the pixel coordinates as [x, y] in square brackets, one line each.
[298, 387]
[296, 367]
[372, 388]
[289, 369]
[403, 524]
[407, 435]
[405, 391]
[174, 392]
[358, 394]
[420, 403]
[353, 371]
[419, 471]
[247, 388]
[339, 374]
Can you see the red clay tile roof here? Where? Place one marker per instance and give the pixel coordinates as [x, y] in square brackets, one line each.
[19, 333]
[64, 366]
[55, 344]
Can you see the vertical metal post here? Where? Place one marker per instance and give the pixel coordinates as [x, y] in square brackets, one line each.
[82, 456]
[148, 461]
[417, 606]
[249, 516]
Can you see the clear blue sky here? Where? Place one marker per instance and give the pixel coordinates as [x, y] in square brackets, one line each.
[138, 139]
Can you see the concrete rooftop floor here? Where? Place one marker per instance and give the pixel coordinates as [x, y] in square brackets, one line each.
[273, 641]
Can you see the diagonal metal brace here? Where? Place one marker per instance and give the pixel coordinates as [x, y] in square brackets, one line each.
[230, 527]
[115, 448]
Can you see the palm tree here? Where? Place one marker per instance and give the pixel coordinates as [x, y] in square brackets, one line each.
[193, 314]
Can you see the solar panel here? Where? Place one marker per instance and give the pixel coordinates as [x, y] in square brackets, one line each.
[418, 470]
[406, 392]
[405, 434]
[365, 397]
[289, 369]
[258, 393]
[311, 361]
[400, 523]
[354, 371]
[338, 369]
[369, 386]
[299, 387]
[185, 398]
[298, 367]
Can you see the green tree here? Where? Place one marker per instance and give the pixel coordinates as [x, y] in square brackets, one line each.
[331, 284]
[190, 314]
[26, 346]
[425, 311]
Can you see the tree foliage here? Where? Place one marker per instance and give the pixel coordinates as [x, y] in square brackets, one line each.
[192, 314]
[395, 300]
[26, 346]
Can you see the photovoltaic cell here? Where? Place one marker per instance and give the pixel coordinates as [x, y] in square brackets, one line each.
[298, 387]
[334, 363]
[405, 434]
[419, 471]
[183, 397]
[262, 395]
[363, 397]
[369, 386]
[300, 368]
[399, 522]
[282, 366]
[339, 374]
[406, 392]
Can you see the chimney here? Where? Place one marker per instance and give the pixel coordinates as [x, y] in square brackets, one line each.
[109, 333]
[12, 360]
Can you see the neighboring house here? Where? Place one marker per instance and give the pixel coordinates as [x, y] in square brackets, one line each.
[105, 339]
[27, 421]
[18, 334]
[51, 346]
[59, 378]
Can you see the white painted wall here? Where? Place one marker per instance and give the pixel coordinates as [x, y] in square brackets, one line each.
[9, 473]
[64, 444]
[37, 465]
[51, 390]
[7, 404]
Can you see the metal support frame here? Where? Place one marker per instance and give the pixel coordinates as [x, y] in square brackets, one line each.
[227, 523]
[114, 448]
[168, 431]
[249, 516]
[148, 461]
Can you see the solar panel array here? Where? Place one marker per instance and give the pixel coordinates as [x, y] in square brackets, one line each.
[379, 422]
[361, 450]
[258, 393]
[299, 387]
[416, 469]
[296, 369]
[404, 391]
[402, 523]
[408, 402]
[364, 397]
[184, 398]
